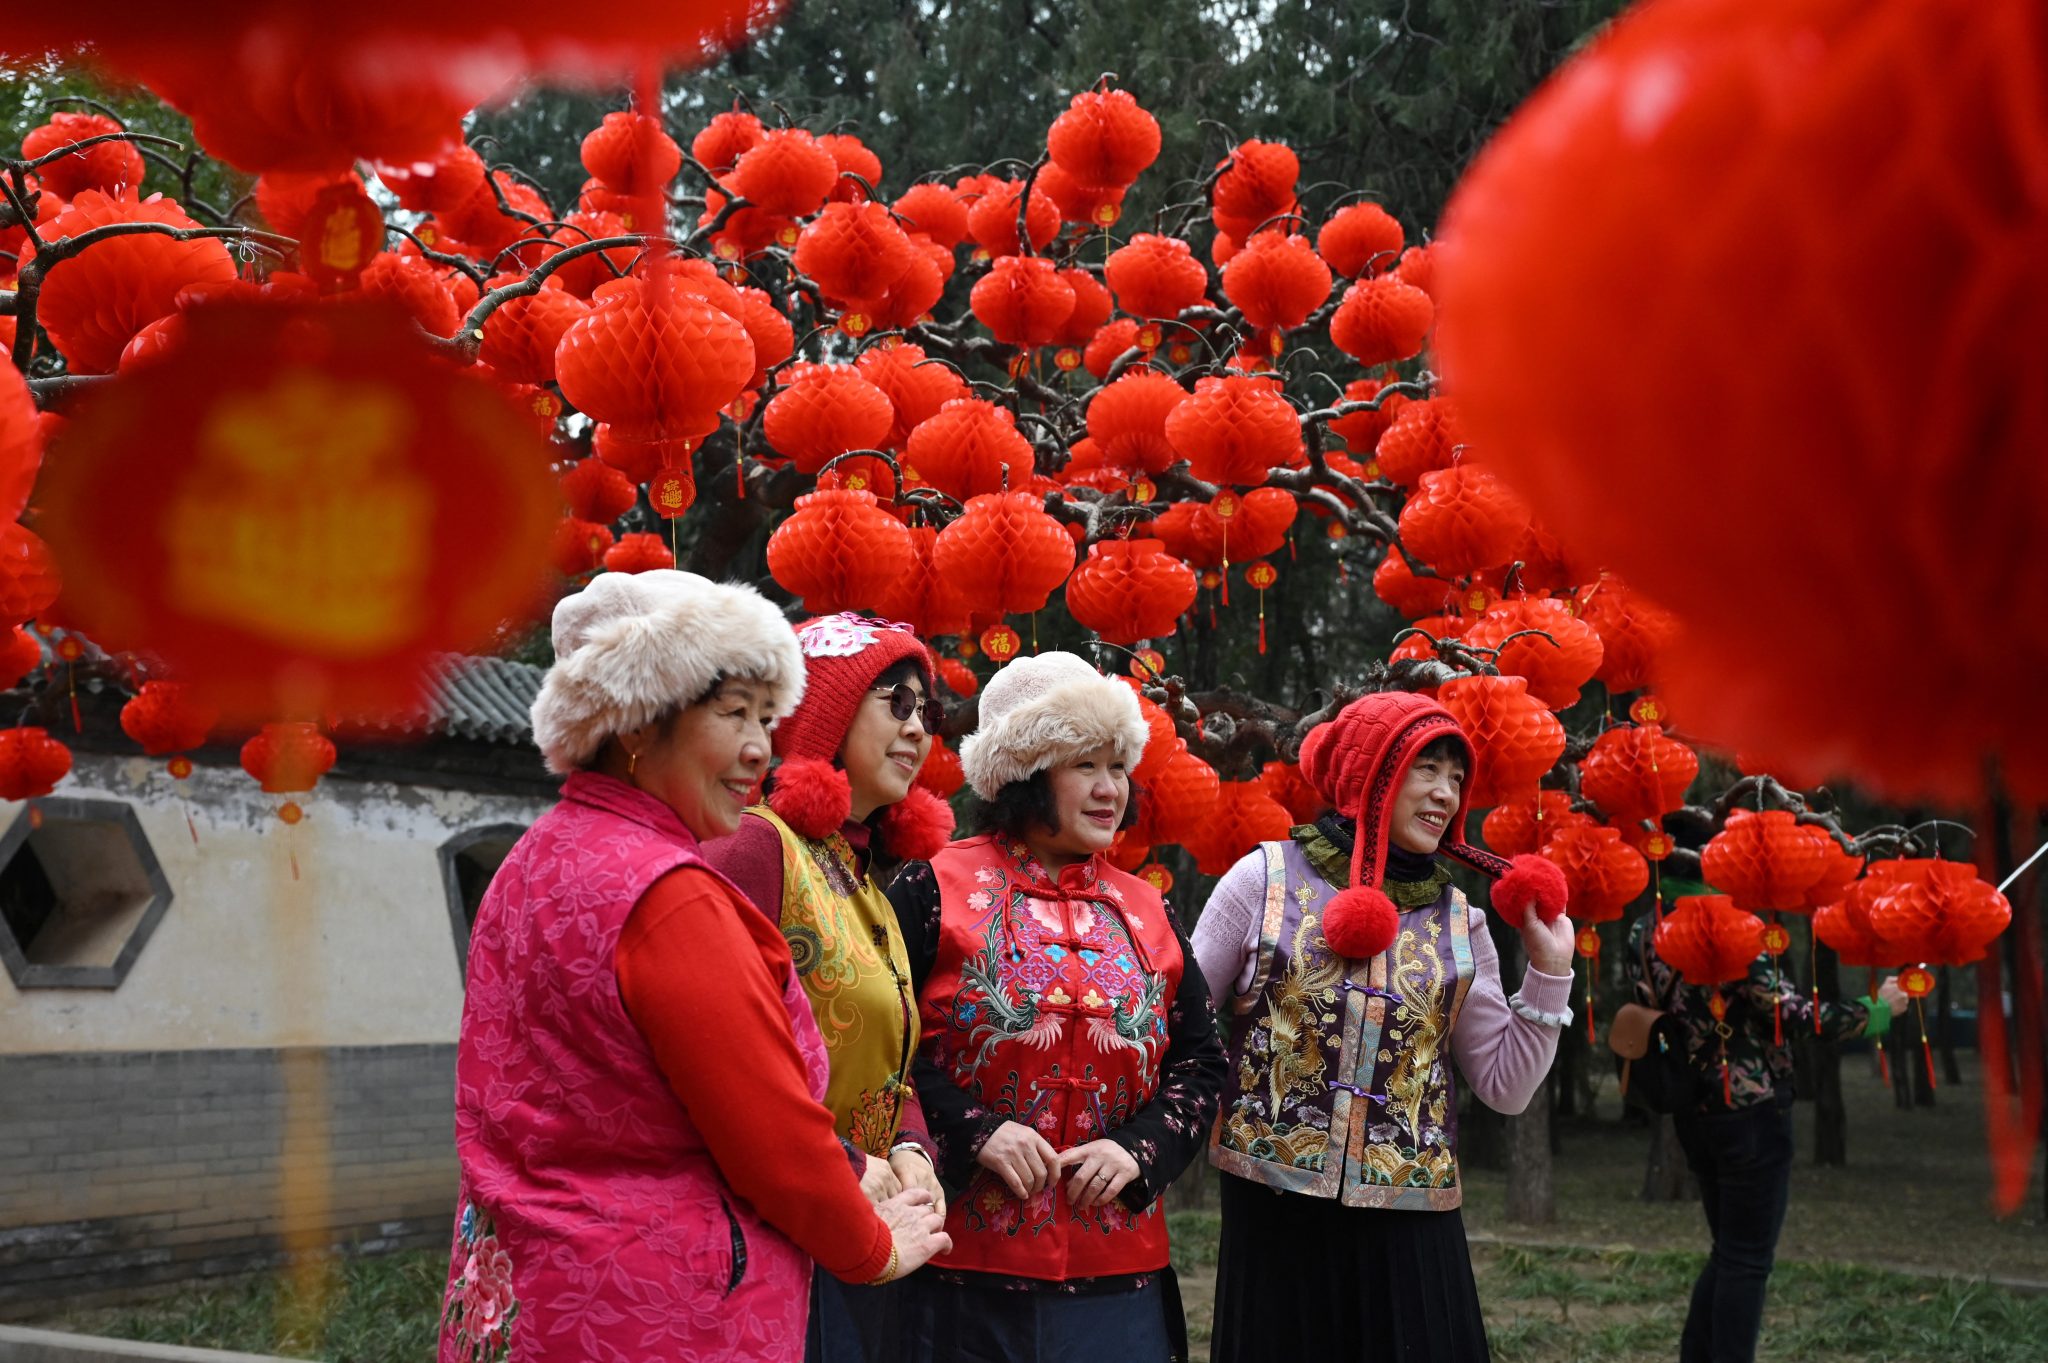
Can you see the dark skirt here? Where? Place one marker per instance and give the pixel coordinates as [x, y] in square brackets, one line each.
[1309, 1278]
[851, 1323]
[952, 1323]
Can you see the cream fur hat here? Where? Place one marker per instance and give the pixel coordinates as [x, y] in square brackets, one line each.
[631, 645]
[1038, 712]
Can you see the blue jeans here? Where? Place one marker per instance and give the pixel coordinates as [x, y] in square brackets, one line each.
[1743, 1161]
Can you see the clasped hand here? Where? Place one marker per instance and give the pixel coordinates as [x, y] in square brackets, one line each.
[1027, 1164]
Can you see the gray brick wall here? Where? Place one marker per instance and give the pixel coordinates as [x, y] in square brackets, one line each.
[125, 1171]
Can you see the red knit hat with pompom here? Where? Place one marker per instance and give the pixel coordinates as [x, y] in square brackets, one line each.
[843, 656]
[1357, 762]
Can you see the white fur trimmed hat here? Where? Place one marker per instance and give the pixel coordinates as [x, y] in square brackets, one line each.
[1040, 711]
[631, 645]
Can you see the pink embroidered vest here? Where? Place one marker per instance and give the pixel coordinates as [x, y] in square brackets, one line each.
[593, 1225]
[1048, 1002]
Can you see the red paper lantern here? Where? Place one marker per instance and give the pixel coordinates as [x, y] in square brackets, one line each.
[1839, 869]
[1005, 554]
[639, 552]
[1638, 772]
[926, 599]
[1360, 238]
[826, 410]
[631, 153]
[1516, 738]
[1235, 430]
[595, 491]
[1586, 205]
[1422, 437]
[1256, 526]
[1557, 652]
[1938, 913]
[1089, 205]
[95, 303]
[1526, 825]
[1127, 419]
[108, 167]
[1257, 184]
[1184, 796]
[1708, 940]
[968, 448]
[719, 144]
[215, 508]
[992, 218]
[1103, 138]
[786, 173]
[1417, 267]
[1285, 783]
[1128, 590]
[521, 338]
[1395, 583]
[20, 654]
[915, 386]
[839, 551]
[1023, 301]
[580, 546]
[959, 676]
[441, 183]
[1244, 816]
[1764, 860]
[1844, 926]
[935, 211]
[854, 252]
[340, 233]
[655, 359]
[31, 763]
[1276, 281]
[166, 717]
[411, 284]
[1635, 634]
[289, 757]
[21, 442]
[1603, 871]
[941, 773]
[1382, 321]
[1155, 276]
[1092, 306]
[1464, 520]
[29, 580]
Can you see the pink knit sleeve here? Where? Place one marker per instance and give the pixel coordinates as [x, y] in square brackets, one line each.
[1226, 936]
[1502, 1054]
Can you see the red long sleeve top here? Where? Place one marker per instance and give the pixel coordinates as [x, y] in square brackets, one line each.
[702, 974]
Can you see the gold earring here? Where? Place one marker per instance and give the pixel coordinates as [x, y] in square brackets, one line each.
[632, 761]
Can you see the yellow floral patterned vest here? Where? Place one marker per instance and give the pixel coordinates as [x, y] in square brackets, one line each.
[849, 954]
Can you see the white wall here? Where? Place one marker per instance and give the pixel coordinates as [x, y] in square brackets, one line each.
[357, 951]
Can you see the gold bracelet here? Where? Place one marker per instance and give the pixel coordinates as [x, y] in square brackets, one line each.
[895, 1261]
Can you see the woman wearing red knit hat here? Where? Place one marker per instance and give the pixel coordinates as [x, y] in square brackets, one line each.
[845, 789]
[1353, 974]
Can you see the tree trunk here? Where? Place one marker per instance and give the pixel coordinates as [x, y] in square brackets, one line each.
[1830, 1116]
[1532, 1200]
[1665, 1175]
[1945, 1034]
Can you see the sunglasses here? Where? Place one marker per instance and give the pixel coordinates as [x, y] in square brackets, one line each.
[904, 701]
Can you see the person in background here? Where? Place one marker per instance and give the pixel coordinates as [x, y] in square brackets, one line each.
[1355, 974]
[1737, 1135]
[850, 754]
[1069, 1065]
[628, 1191]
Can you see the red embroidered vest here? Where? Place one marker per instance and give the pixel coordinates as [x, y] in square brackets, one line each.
[1048, 1002]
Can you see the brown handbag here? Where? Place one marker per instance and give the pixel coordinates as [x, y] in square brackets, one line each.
[1650, 1042]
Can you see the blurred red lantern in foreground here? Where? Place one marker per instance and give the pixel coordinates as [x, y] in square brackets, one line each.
[297, 508]
[1586, 204]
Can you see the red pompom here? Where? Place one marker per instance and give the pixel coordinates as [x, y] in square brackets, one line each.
[1531, 881]
[917, 826]
[812, 796]
[1360, 923]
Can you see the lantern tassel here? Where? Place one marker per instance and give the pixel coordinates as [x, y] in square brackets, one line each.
[1926, 1044]
[1884, 1064]
[1813, 975]
[739, 473]
[1262, 624]
[1226, 561]
[1777, 1006]
[71, 680]
[191, 827]
[1592, 973]
[1727, 1081]
[675, 549]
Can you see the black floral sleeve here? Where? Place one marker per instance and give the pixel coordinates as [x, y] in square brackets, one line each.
[1167, 1133]
[959, 1126]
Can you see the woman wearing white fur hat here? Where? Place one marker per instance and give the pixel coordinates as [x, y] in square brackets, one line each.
[617, 1198]
[1068, 1067]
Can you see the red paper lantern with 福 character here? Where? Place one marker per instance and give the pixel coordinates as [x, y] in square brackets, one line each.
[1604, 873]
[297, 508]
[1935, 912]
[168, 720]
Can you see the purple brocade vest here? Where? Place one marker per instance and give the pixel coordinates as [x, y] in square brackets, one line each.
[1340, 1082]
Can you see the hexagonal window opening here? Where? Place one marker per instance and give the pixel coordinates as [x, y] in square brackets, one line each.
[81, 891]
[468, 861]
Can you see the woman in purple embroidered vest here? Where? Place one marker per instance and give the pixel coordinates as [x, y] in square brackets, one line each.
[619, 1201]
[1353, 975]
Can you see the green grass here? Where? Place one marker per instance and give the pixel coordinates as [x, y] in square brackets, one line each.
[1543, 1305]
